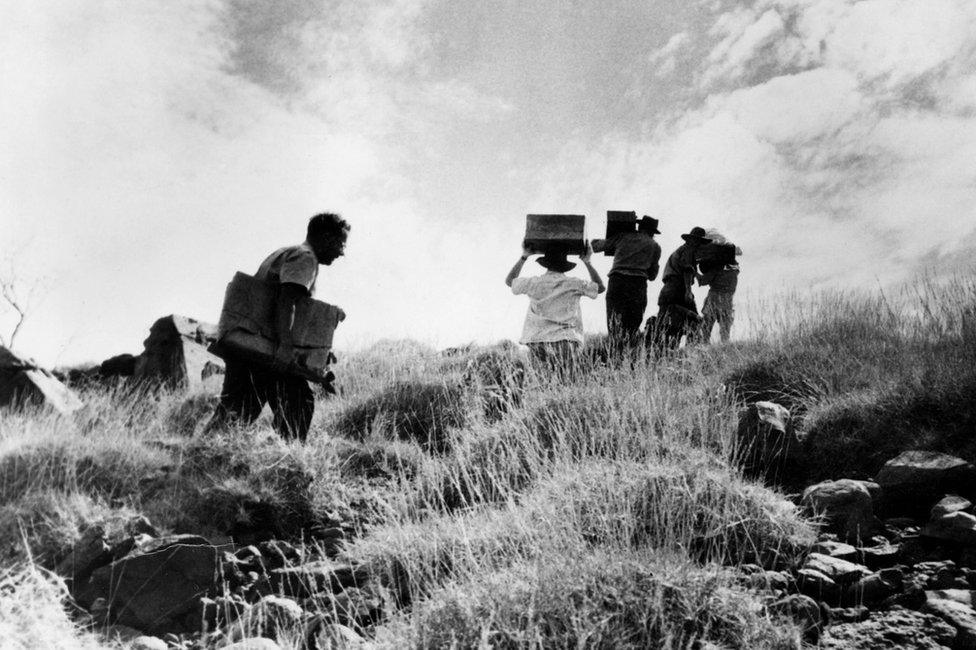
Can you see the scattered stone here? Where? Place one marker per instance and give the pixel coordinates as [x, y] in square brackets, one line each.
[766, 580]
[256, 643]
[950, 503]
[880, 556]
[315, 577]
[846, 506]
[278, 554]
[88, 553]
[148, 643]
[767, 445]
[956, 526]
[894, 629]
[959, 616]
[175, 353]
[815, 584]
[268, 617]
[840, 571]
[152, 590]
[873, 588]
[24, 383]
[805, 611]
[838, 550]
[849, 614]
[914, 480]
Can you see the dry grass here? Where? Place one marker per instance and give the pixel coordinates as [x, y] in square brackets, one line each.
[497, 507]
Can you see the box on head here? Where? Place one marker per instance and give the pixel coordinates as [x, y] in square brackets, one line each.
[246, 330]
[555, 233]
[619, 222]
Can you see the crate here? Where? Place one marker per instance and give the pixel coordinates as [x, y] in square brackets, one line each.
[555, 233]
[619, 222]
[246, 330]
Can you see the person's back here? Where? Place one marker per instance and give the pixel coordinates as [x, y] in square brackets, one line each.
[722, 278]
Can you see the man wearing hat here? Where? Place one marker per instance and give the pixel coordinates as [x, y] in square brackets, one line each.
[553, 327]
[636, 258]
[677, 312]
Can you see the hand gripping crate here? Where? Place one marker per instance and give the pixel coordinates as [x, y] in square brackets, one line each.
[246, 331]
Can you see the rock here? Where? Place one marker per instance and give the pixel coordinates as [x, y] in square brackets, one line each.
[23, 383]
[87, 554]
[965, 597]
[839, 550]
[153, 589]
[873, 588]
[949, 503]
[937, 575]
[804, 610]
[269, 617]
[894, 629]
[957, 526]
[121, 634]
[914, 480]
[148, 643]
[278, 553]
[846, 506]
[817, 585]
[881, 556]
[959, 616]
[315, 577]
[766, 580]
[849, 614]
[335, 637]
[840, 571]
[121, 365]
[175, 353]
[766, 444]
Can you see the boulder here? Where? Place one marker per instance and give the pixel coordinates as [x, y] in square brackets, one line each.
[804, 610]
[894, 629]
[315, 577]
[840, 571]
[959, 616]
[151, 590]
[255, 643]
[766, 444]
[873, 588]
[175, 353]
[25, 384]
[914, 481]
[880, 556]
[958, 527]
[949, 504]
[835, 549]
[88, 553]
[268, 617]
[121, 365]
[148, 643]
[846, 507]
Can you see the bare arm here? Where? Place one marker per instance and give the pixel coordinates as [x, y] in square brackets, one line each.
[517, 269]
[594, 276]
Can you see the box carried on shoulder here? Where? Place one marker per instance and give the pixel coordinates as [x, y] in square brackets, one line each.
[618, 223]
[246, 330]
[555, 233]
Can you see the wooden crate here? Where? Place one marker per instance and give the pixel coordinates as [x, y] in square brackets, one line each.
[619, 222]
[546, 233]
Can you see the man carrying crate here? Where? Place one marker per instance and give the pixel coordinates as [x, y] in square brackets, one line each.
[249, 385]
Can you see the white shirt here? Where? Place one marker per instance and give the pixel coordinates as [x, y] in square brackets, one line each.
[554, 308]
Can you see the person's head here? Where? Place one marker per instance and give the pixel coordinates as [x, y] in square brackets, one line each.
[648, 225]
[556, 261]
[326, 235]
[696, 237]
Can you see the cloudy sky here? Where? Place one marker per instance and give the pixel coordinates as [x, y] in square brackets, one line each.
[148, 150]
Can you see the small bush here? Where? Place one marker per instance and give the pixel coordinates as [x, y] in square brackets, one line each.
[424, 412]
[595, 601]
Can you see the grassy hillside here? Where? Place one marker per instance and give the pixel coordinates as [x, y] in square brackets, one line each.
[495, 505]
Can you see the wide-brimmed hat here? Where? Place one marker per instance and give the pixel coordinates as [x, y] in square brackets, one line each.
[648, 224]
[696, 234]
[556, 262]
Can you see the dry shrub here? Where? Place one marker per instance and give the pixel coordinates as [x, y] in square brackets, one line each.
[424, 412]
[595, 600]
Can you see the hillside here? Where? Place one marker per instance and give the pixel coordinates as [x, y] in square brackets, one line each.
[464, 499]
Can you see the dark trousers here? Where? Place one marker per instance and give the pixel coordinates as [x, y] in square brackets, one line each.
[626, 302]
[676, 317]
[247, 389]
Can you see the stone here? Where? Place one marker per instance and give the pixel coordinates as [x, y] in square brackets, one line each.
[873, 588]
[950, 503]
[894, 629]
[880, 556]
[121, 365]
[153, 589]
[804, 610]
[175, 353]
[959, 616]
[915, 480]
[767, 580]
[337, 637]
[25, 384]
[846, 507]
[278, 554]
[270, 616]
[148, 643]
[817, 585]
[767, 446]
[840, 571]
[849, 614]
[836, 549]
[315, 577]
[957, 526]
[91, 551]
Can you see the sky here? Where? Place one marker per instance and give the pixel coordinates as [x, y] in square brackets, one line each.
[149, 150]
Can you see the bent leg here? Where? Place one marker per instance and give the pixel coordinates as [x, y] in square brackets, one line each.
[293, 405]
[240, 398]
